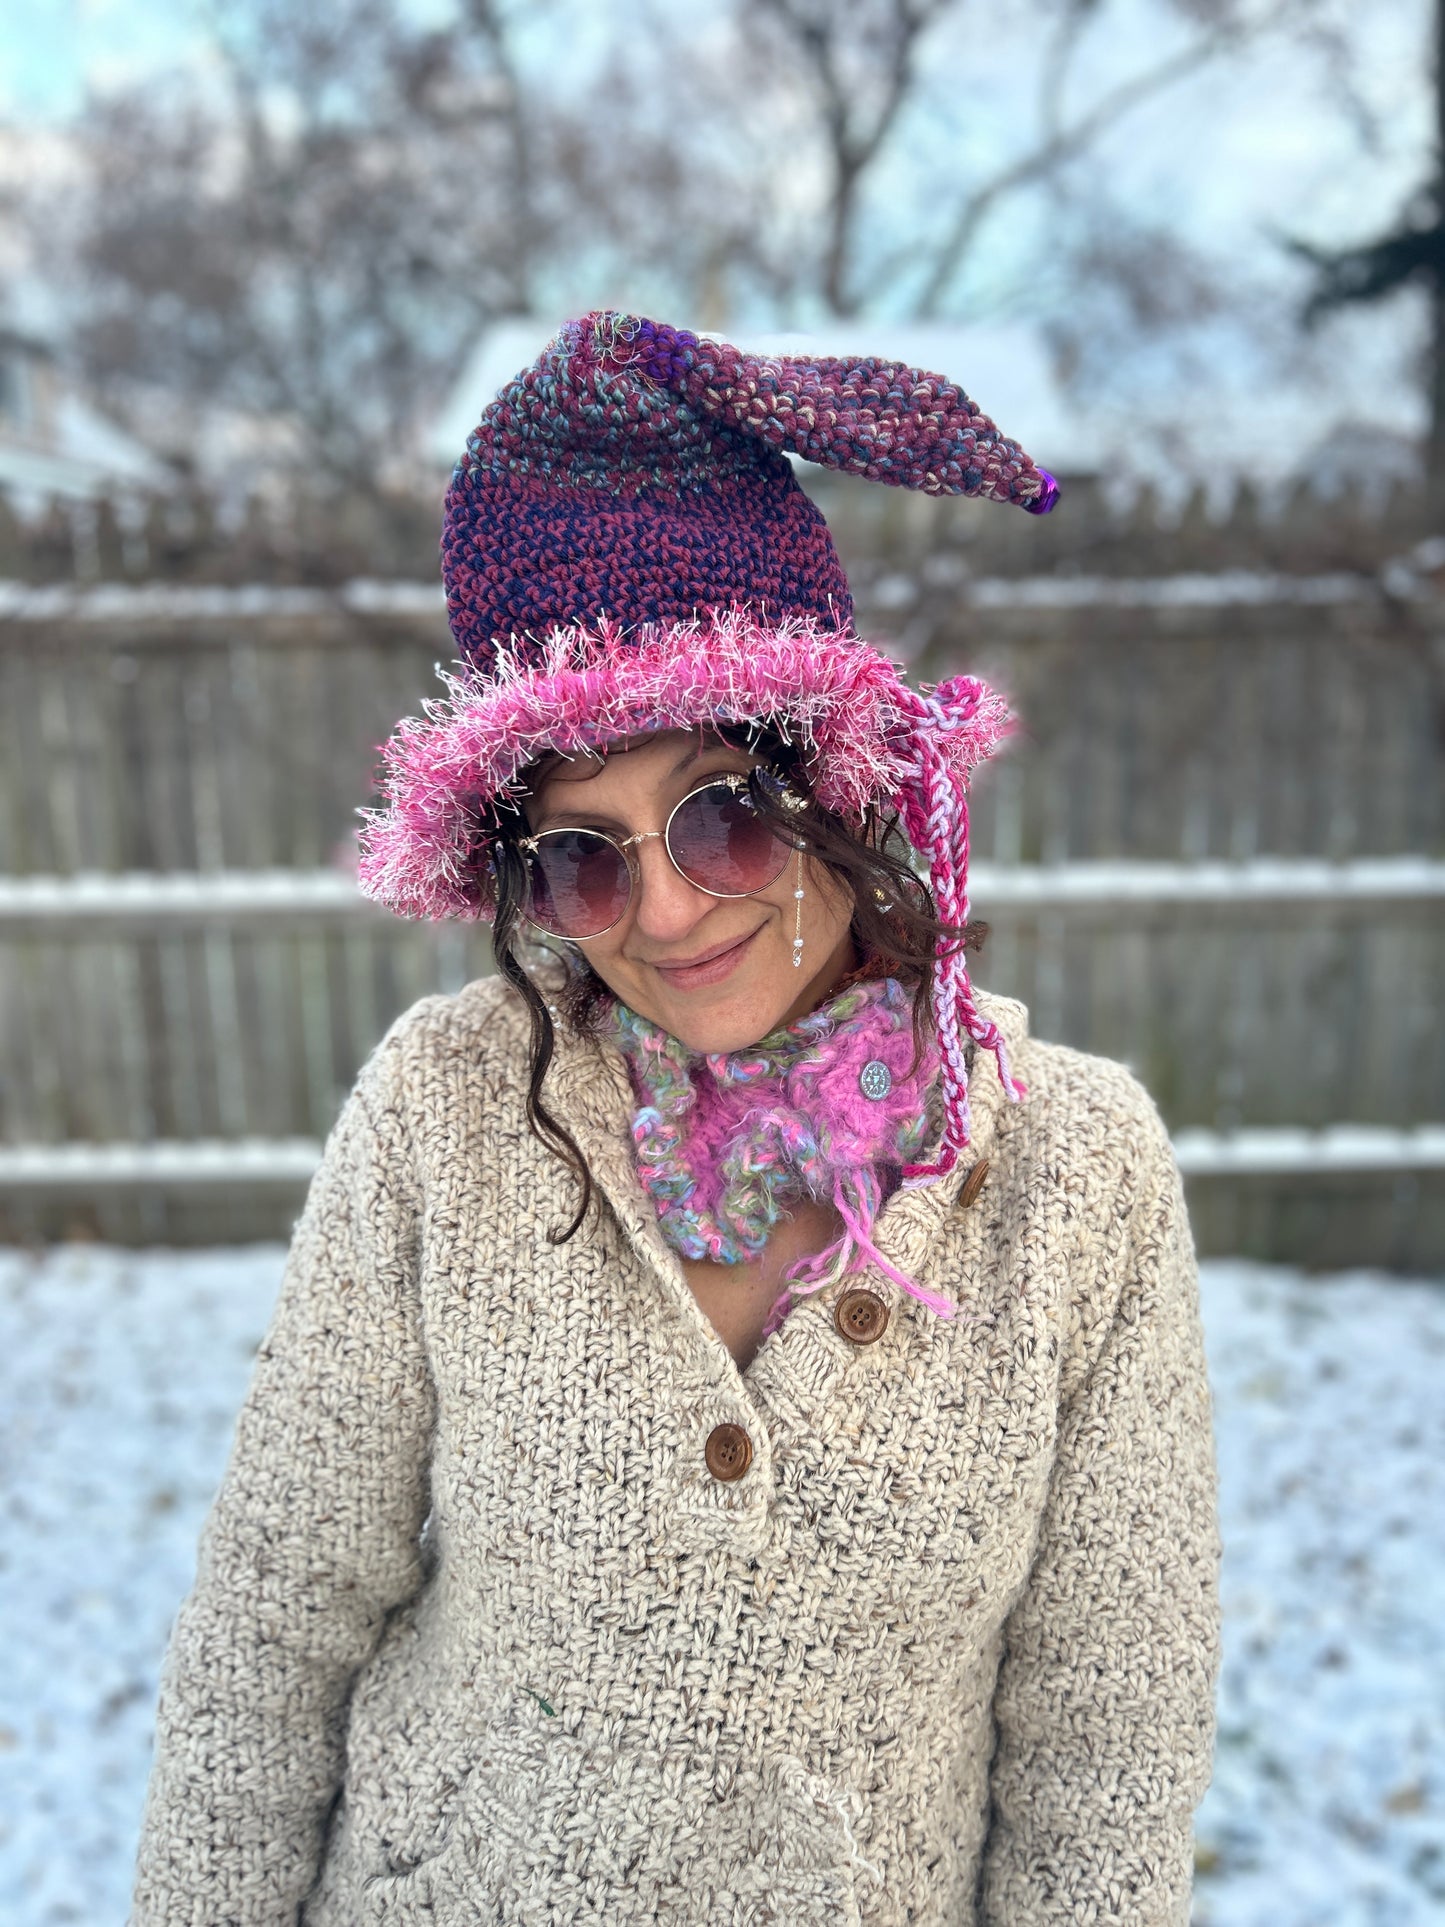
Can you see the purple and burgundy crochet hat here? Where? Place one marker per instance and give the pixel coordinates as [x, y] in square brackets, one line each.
[625, 549]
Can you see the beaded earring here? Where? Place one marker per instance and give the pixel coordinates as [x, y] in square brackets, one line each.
[798, 917]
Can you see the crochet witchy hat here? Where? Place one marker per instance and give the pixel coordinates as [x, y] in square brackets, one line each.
[625, 549]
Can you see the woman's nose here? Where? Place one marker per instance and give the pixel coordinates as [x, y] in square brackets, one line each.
[667, 904]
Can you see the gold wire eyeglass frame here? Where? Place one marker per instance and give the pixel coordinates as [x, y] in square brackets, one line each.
[730, 780]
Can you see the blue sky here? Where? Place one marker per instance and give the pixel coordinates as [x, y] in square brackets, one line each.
[49, 49]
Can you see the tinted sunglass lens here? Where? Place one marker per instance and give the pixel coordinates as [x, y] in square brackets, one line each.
[580, 883]
[723, 844]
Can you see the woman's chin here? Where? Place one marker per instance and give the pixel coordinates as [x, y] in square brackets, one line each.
[731, 1017]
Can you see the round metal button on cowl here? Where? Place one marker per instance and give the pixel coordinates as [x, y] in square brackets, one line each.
[729, 1452]
[973, 1183]
[875, 1080]
[861, 1316]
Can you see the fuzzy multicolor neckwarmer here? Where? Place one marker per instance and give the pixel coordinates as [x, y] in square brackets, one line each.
[830, 1108]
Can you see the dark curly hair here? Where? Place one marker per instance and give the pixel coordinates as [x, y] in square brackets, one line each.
[896, 931]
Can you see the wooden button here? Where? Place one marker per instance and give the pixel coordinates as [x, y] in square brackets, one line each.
[729, 1452]
[861, 1316]
[973, 1183]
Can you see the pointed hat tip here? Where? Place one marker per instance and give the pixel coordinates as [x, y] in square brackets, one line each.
[1047, 496]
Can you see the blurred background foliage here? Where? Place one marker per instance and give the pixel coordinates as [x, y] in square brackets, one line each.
[274, 251]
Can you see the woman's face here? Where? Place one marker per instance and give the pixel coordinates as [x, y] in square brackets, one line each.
[716, 972]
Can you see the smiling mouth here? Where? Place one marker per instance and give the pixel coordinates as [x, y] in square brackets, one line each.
[711, 967]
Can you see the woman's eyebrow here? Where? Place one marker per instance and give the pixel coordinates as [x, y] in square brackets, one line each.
[700, 748]
[577, 819]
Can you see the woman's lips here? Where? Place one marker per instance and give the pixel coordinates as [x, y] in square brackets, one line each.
[710, 969]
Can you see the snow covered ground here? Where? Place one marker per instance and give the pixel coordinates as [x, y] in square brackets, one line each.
[120, 1374]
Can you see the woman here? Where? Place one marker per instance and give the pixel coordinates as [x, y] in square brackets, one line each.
[733, 1443]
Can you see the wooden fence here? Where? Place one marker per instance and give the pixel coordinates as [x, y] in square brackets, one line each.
[299, 538]
[1185, 718]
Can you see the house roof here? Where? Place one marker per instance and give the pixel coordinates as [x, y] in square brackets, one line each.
[82, 455]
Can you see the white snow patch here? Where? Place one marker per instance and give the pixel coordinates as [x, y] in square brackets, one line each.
[208, 602]
[120, 1377]
[1215, 589]
[1328, 1802]
[187, 895]
[121, 1374]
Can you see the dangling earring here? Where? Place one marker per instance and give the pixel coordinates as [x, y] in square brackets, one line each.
[798, 917]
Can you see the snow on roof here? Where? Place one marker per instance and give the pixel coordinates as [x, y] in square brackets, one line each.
[84, 455]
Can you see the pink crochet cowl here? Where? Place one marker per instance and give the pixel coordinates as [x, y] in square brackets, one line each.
[833, 1107]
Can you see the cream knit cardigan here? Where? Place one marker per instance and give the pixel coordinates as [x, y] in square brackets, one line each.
[476, 1636]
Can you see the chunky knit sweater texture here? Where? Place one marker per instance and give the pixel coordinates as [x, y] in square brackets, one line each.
[476, 1635]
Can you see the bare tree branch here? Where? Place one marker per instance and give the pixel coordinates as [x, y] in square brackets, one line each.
[495, 33]
[820, 33]
[1058, 59]
[312, 235]
[1061, 144]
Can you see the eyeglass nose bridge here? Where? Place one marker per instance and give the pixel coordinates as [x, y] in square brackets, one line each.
[626, 842]
[630, 857]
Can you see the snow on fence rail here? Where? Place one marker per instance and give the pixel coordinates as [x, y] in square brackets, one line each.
[182, 896]
[1188, 589]
[1215, 589]
[166, 896]
[1260, 1151]
[213, 1161]
[1338, 1149]
[1261, 880]
[211, 602]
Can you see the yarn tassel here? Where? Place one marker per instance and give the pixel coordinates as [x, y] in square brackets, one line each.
[935, 818]
[855, 1248]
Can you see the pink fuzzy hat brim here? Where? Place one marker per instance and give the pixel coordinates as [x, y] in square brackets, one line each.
[841, 699]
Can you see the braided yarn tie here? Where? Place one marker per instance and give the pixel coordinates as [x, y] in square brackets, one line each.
[935, 819]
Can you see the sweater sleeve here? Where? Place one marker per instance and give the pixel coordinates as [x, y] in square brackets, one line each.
[312, 1539]
[1105, 1698]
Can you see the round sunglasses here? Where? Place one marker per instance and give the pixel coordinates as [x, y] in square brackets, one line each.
[580, 882]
